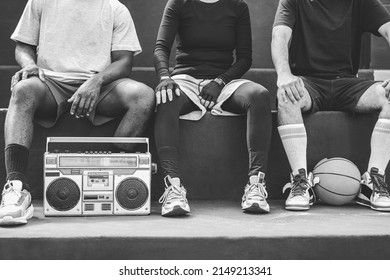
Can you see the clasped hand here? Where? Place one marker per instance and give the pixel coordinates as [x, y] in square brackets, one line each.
[209, 94]
[85, 98]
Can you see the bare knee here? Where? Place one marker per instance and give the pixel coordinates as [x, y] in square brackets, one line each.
[374, 99]
[138, 94]
[27, 93]
[289, 112]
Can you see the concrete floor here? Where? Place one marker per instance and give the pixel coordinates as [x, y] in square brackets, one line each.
[324, 232]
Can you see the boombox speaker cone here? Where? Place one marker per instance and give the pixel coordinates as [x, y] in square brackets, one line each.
[63, 194]
[132, 193]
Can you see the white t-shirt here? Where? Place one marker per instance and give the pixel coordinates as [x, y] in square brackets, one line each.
[75, 38]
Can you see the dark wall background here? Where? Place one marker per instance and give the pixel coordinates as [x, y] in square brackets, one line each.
[147, 15]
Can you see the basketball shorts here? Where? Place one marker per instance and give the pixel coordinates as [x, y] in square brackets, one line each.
[341, 94]
[63, 91]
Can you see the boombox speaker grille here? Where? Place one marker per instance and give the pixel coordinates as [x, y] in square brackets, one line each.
[132, 193]
[63, 194]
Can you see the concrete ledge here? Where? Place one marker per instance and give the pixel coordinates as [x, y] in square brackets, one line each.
[214, 230]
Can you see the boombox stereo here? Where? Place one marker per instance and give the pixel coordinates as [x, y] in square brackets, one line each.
[96, 182]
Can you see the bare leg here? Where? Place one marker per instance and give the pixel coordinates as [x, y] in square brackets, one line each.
[133, 99]
[28, 98]
[374, 99]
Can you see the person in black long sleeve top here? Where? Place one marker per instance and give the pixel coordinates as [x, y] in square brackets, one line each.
[214, 49]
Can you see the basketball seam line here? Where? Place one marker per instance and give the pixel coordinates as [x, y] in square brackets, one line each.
[332, 159]
[335, 192]
[331, 173]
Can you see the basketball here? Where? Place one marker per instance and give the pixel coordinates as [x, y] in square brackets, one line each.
[339, 181]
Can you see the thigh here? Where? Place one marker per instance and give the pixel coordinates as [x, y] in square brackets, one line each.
[317, 95]
[115, 98]
[348, 92]
[245, 94]
[180, 105]
[372, 99]
[37, 94]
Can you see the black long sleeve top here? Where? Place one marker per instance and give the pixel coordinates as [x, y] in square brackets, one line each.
[213, 39]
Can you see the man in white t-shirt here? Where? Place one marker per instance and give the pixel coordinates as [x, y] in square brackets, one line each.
[75, 56]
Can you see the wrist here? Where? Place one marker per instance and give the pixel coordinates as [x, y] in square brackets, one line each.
[162, 78]
[220, 82]
[98, 80]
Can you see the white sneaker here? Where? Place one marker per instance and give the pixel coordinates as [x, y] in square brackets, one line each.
[301, 195]
[174, 201]
[254, 198]
[374, 192]
[15, 207]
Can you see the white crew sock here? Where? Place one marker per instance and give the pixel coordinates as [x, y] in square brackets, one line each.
[380, 146]
[294, 140]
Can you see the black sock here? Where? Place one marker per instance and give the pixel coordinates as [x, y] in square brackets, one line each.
[16, 160]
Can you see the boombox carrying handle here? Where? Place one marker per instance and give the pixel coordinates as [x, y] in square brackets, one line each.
[113, 140]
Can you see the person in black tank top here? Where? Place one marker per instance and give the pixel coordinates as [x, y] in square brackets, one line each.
[214, 49]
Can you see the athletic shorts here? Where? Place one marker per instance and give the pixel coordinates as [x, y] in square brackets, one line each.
[63, 91]
[192, 88]
[340, 94]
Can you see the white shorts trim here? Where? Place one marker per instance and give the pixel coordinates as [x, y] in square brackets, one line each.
[192, 87]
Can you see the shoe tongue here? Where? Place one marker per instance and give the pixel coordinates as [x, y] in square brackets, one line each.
[17, 185]
[301, 173]
[259, 178]
[253, 180]
[374, 170]
[175, 181]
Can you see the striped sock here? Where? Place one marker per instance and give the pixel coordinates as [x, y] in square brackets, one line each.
[294, 140]
[380, 143]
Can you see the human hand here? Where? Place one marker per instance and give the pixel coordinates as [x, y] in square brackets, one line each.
[291, 88]
[209, 94]
[165, 89]
[85, 98]
[386, 86]
[26, 72]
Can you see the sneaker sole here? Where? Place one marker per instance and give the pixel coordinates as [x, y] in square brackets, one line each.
[176, 211]
[10, 221]
[297, 208]
[381, 209]
[255, 208]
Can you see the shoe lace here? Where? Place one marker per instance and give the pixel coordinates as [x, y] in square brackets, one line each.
[379, 185]
[257, 190]
[9, 195]
[172, 192]
[299, 186]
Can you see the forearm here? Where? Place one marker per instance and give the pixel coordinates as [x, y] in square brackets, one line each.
[237, 70]
[25, 54]
[280, 58]
[161, 62]
[118, 69]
